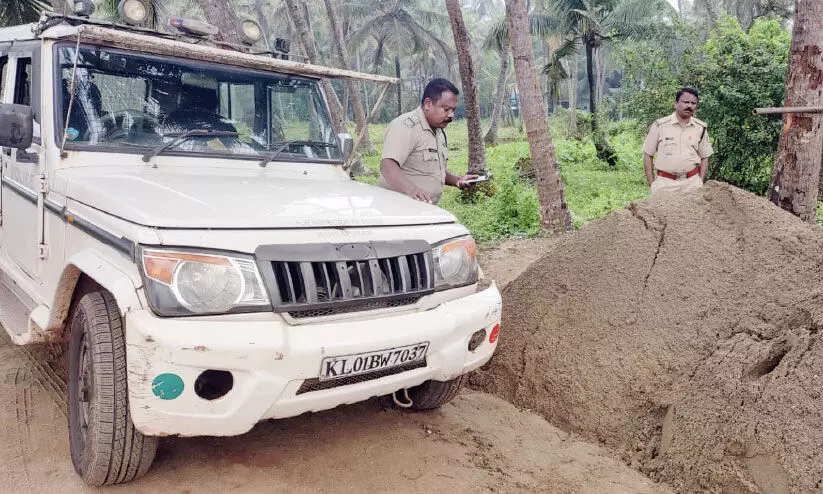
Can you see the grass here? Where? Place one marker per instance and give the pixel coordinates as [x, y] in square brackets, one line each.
[593, 190]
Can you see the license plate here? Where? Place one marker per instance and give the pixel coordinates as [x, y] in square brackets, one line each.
[363, 363]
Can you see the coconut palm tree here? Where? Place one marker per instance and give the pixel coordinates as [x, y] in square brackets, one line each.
[497, 40]
[796, 174]
[503, 48]
[306, 37]
[477, 152]
[554, 69]
[595, 22]
[554, 214]
[399, 27]
[339, 42]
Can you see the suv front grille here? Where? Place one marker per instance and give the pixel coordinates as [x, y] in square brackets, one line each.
[323, 279]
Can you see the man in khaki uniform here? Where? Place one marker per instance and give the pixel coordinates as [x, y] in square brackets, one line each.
[681, 143]
[414, 148]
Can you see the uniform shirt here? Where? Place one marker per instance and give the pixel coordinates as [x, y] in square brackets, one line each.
[679, 147]
[419, 150]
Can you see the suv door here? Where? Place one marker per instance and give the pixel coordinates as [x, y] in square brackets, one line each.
[21, 176]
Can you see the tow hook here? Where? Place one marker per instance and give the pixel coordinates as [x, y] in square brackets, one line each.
[408, 403]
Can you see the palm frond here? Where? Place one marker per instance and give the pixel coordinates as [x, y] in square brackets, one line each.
[542, 25]
[15, 12]
[498, 31]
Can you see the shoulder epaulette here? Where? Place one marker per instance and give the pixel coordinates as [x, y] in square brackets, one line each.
[664, 120]
[410, 120]
[700, 122]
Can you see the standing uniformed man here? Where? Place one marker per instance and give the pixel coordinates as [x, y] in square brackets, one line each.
[414, 148]
[681, 143]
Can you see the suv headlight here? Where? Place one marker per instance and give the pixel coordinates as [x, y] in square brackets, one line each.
[455, 263]
[185, 283]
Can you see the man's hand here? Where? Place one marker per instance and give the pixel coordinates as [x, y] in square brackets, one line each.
[648, 168]
[419, 194]
[461, 181]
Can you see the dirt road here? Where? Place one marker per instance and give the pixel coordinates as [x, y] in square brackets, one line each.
[478, 443]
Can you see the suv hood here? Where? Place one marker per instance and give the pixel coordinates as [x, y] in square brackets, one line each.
[189, 197]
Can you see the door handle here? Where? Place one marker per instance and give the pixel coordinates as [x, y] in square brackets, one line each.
[26, 157]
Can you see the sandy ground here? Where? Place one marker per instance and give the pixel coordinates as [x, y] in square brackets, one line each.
[683, 333]
[477, 443]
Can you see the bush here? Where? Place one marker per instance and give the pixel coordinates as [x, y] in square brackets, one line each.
[735, 71]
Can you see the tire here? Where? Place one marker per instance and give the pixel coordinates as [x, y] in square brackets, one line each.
[434, 394]
[105, 446]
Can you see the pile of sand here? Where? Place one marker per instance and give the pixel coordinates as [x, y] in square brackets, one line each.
[684, 333]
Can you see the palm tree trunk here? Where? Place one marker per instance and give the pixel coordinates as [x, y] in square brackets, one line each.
[601, 145]
[601, 77]
[796, 174]
[220, 13]
[338, 116]
[573, 95]
[590, 76]
[264, 23]
[554, 214]
[500, 95]
[333, 9]
[399, 94]
[477, 153]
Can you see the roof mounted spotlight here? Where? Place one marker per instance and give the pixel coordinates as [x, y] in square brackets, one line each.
[249, 30]
[193, 26]
[83, 8]
[283, 46]
[134, 12]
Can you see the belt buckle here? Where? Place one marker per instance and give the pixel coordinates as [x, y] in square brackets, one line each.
[681, 175]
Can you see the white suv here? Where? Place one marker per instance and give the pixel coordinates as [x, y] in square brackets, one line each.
[179, 213]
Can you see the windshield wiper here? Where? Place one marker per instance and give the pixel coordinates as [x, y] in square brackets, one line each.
[180, 137]
[274, 154]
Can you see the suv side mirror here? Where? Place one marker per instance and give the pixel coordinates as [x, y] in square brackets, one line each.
[16, 126]
[346, 144]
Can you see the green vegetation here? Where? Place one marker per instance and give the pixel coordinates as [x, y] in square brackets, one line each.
[736, 71]
[593, 189]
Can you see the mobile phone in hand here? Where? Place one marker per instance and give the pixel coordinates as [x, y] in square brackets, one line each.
[481, 178]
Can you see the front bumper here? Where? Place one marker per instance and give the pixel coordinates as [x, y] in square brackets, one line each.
[269, 360]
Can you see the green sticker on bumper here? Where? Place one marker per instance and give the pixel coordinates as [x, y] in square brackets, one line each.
[167, 386]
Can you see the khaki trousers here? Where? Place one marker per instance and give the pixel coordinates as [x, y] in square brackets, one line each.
[663, 184]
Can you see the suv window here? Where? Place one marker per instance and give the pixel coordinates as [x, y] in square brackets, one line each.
[22, 83]
[135, 102]
[4, 62]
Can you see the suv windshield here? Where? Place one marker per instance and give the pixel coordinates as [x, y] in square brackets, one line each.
[125, 101]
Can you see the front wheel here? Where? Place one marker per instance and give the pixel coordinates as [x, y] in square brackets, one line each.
[434, 394]
[105, 446]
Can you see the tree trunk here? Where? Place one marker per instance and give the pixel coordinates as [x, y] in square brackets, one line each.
[796, 173]
[333, 9]
[601, 144]
[306, 38]
[573, 95]
[680, 10]
[500, 95]
[399, 85]
[601, 77]
[220, 13]
[554, 214]
[264, 23]
[477, 152]
[590, 77]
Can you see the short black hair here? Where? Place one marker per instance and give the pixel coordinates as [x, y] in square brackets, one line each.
[689, 90]
[435, 87]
